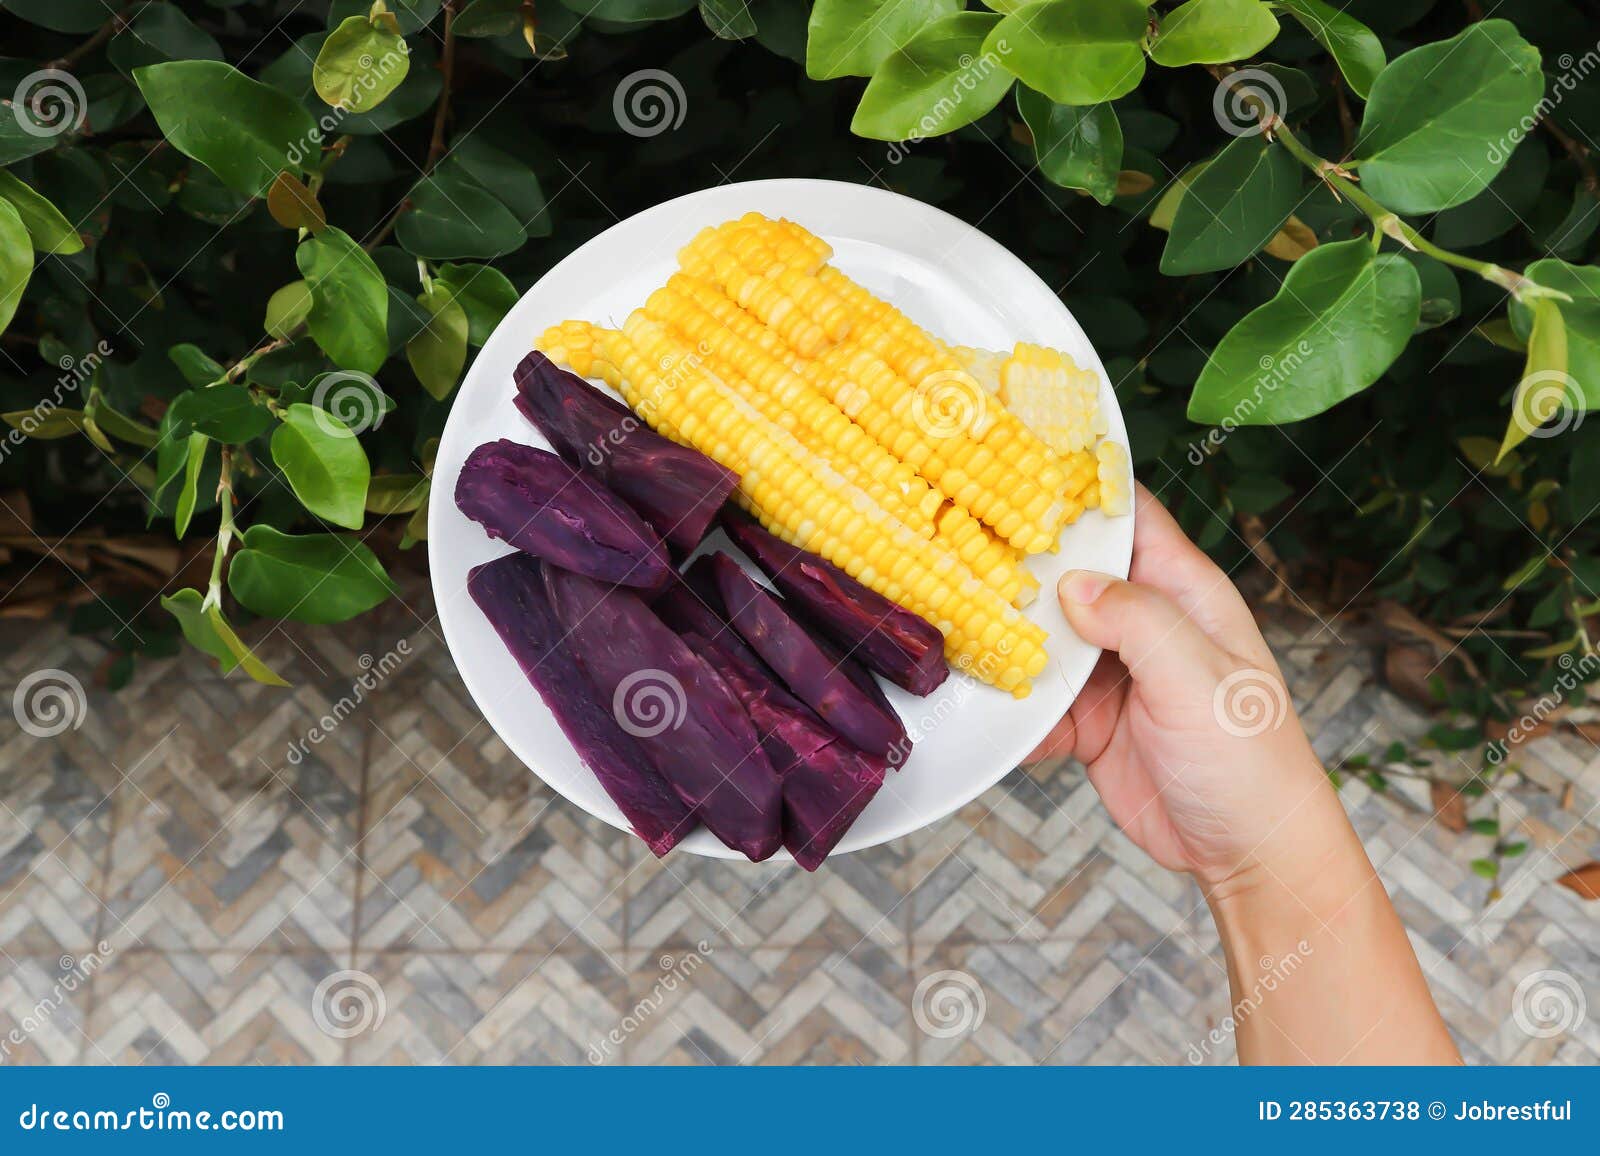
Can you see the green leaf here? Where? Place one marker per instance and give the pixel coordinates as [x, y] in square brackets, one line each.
[187, 606]
[396, 493]
[486, 18]
[438, 352]
[159, 33]
[315, 578]
[1581, 316]
[324, 464]
[1355, 48]
[781, 28]
[450, 218]
[1257, 493]
[728, 19]
[51, 232]
[1234, 207]
[1340, 319]
[197, 366]
[16, 261]
[1213, 32]
[242, 130]
[119, 425]
[48, 425]
[485, 293]
[353, 398]
[68, 16]
[287, 309]
[1078, 147]
[1166, 209]
[853, 37]
[941, 79]
[293, 205]
[417, 527]
[349, 300]
[1486, 869]
[226, 413]
[513, 183]
[1442, 119]
[360, 63]
[1484, 826]
[34, 127]
[1547, 391]
[1510, 199]
[189, 495]
[1074, 51]
[206, 628]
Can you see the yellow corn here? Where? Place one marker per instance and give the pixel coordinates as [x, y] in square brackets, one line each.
[938, 429]
[800, 309]
[983, 364]
[801, 499]
[796, 248]
[571, 343]
[1057, 400]
[794, 239]
[1113, 475]
[736, 351]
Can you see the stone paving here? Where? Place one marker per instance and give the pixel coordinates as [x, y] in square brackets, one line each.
[174, 888]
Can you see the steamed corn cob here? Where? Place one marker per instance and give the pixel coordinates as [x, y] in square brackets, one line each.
[940, 384]
[810, 505]
[737, 352]
[983, 364]
[939, 429]
[796, 248]
[1114, 473]
[1057, 400]
[748, 265]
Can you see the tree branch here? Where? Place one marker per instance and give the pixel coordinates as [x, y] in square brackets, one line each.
[102, 34]
[441, 114]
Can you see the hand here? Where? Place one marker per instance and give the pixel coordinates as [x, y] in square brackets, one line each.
[1185, 724]
[1190, 738]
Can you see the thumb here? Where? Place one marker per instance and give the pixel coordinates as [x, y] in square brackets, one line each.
[1163, 649]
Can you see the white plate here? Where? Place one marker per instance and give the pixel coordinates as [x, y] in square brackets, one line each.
[942, 272]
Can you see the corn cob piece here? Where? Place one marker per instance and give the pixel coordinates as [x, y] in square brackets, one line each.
[1113, 477]
[801, 251]
[803, 312]
[735, 351]
[572, 343]
[916, 356]
[1057, 400]
[983, 364]
[796, 234]
[802, 500]
[936, 429]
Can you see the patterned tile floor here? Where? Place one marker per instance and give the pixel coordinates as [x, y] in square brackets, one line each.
[186, 878]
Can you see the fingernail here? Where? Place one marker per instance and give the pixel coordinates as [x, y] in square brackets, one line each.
[1083, 586]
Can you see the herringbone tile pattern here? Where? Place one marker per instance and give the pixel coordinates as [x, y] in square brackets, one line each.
[358, 871]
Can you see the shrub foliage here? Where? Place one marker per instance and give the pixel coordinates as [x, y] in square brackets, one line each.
[1336, 255]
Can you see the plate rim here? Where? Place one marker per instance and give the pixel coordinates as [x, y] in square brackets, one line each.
[455, 424]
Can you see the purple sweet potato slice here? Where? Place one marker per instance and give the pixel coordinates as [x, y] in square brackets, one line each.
[678, 490]
[688, 720]
[542, 506]
[827, 782]
[904, 647]
[684, 606]
[510, 592]
[814, 676]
